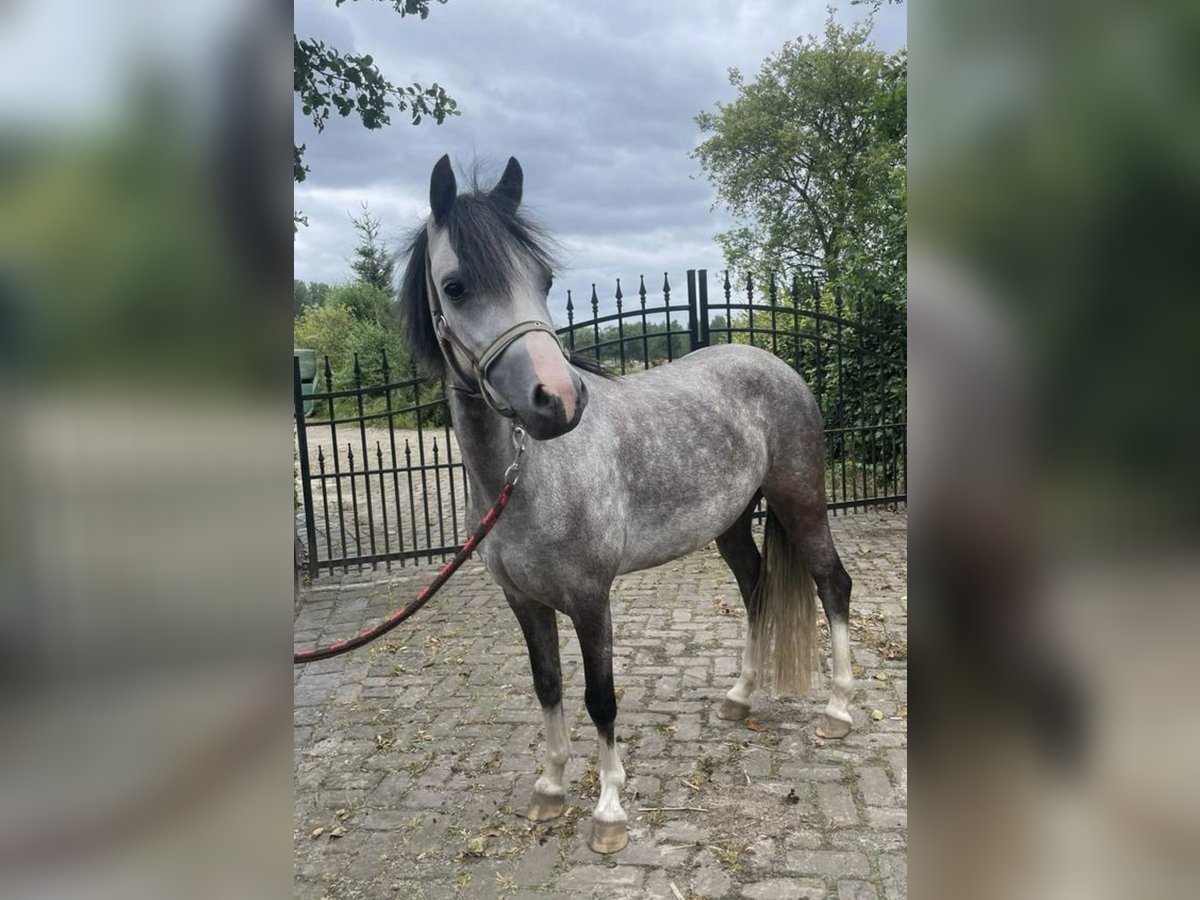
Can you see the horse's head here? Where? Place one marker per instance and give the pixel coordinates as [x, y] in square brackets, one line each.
[474, 297]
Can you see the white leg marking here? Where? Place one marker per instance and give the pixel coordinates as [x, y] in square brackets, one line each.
[557, 749]
[741, 691]
[843, 679]
[612, 779]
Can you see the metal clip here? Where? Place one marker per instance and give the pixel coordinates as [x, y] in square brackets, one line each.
[513, 472]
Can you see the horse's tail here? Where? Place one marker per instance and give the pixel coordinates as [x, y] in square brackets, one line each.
[784, 627]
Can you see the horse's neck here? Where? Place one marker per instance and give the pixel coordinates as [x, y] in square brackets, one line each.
[485, 442]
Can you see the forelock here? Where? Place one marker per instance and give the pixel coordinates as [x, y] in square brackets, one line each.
[494, 242]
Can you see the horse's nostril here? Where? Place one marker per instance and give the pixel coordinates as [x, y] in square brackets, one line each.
[541, 397]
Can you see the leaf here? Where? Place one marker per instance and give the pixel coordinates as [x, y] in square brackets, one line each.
[754, 725]
[876, 714]
[477, 846]
[337, 832]
[318, 831]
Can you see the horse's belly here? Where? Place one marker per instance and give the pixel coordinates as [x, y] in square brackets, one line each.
[653, 540]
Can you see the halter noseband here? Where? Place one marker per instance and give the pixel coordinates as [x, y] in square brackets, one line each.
[475, 381]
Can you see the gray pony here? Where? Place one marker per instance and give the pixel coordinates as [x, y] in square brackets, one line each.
[623, 473]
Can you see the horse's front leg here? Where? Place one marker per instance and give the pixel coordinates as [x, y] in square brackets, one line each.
[593, 624]
[540, 627]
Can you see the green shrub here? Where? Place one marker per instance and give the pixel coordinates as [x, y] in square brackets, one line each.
[336, 334]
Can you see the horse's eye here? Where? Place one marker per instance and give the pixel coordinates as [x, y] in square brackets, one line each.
[453, 290]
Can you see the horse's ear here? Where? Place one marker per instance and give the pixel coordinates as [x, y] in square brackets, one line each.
[511, 183]
[442, 189]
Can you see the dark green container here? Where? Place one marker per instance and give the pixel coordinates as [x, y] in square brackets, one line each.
[308, 375]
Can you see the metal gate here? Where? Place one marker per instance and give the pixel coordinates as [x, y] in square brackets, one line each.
[380, 479]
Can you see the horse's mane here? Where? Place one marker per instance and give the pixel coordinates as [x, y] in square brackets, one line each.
[492, 238]
[590, 365]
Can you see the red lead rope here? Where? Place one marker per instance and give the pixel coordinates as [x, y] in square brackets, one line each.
[489, 520]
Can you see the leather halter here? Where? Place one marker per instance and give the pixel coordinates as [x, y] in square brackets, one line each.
[474, 382]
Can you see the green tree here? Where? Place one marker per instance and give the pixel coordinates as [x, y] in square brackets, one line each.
[810, 159]
[364, 302]
[325, 80]
[373, 263]
[307, 293]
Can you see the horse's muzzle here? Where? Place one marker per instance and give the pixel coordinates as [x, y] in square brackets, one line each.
[552, 412]
[544, 392]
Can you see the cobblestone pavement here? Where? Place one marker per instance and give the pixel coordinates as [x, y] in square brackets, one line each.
[415, 757]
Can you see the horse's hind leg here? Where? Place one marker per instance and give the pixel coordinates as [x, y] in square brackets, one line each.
[833, 587]
[807, 524]
[741, 555]
[540, 627]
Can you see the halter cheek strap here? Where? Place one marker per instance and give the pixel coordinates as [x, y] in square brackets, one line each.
[454, 350]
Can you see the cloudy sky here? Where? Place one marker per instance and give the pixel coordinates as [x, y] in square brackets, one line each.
[596, 100]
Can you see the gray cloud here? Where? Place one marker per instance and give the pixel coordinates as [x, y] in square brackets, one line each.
[596, 101]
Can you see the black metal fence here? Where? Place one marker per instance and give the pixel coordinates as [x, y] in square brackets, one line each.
[380, 479]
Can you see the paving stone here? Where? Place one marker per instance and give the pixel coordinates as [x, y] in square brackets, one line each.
[836, 804]
[886, 817]
[682, 833]
[785, 889]
[856, 890]
[711, 882]
[585, 878]
[893, 869]
[833, 863]
[536, 865]
[875, 787]
[657, 886]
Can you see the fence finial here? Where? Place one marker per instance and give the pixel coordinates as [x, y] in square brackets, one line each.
[619, 295]
[642, 289]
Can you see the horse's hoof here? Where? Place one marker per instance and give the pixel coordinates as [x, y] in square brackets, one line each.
[732, 710]
[608, 837]
[832, 728]
[544, 807]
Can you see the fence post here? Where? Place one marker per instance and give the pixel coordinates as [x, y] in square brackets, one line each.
[693, 312]
[310, 525]
[703, 279]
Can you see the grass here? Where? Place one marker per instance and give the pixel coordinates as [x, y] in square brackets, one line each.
[416, 768]
[505, 883]
[702, 772]
[730, 855]
[409, 827]
[589, 781]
